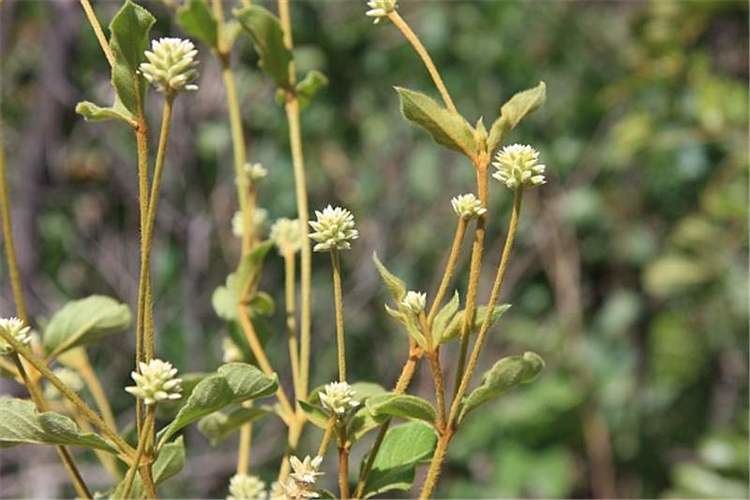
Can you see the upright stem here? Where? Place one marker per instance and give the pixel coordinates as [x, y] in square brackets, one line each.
[10, 248]
[243, 451]
[291, 320]
[413, 39]
[141, 139]
[94, 22]
[437, 376]
[433, 473]
[142, 440]
[339, 306]
[303, 213]
[450, 268]
[343, 471]
[67, 459]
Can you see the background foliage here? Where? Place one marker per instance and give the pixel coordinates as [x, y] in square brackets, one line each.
[630, 277]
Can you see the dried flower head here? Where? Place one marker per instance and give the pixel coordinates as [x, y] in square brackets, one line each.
[305, 472]
[171, 65]
[68, 377]
[467, 206]
[260, 216]
[277, 491]
[338, 397]
[517, 166]
[18, 330]
[156, 382]
[414, 301]
[245, 487]
[255, 172]
[287, 235]
[334, 229]
[230, 352]
[380, 8]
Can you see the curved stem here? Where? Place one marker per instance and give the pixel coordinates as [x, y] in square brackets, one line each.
[413, 39]
[94, 22]
[450, 268]
[339, 306]
[67, 459]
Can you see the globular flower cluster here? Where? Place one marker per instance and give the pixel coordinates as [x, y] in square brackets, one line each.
[287, 235]
[171, 65]
[467, 206]
[414, 302]
[338, 397]
[156, 382]
[380, 8]
[334, 229]
[516, 165]
[68, 377]
[255, 172]
[301, 481]
[246, 487]
[18, 330]
[260, 215]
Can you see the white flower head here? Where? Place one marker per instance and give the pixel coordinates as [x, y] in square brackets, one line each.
[171, 65]
[414, 301]
[255, 172]
[287, 235]
[380, 8]
[68, 377]
[18, 330]
[338, 397]
[305, 472]
[230, 352]
[334, 229]
[517, 166]
[292, 490]
[467, 206]
[245, 487]
[155, 382]
[260, 215]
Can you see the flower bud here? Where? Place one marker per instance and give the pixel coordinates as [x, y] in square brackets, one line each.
[467, 206]
[287, 235]
[18, 330]
[334, 229]
[156, 382]
[255, 172]
[414, 301]
[260, 215]
[380, 8]
[171, 65]
[338, 397]
[517, 166]
[245, 487]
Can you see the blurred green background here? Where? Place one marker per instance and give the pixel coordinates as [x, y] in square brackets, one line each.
[630, 275]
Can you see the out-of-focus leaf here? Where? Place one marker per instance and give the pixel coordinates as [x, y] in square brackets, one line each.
[453, 330]
[674, 274]
[309, 86]
[268, 38]
[169, 463]
[225, 299]
[513, 111]
[395, 285]
[219, 425]
[196, 18]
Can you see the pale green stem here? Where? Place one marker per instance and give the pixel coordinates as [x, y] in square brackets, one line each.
[94, 22]
[450, 268]
[339, 306]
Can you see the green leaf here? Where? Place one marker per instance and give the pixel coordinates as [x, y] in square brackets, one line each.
[395, 285]
[130, 30]
[309, 86]
[219, 425]
[233, 383]
[453, 330]
[513, 111]
[401, 405]
[84, 321]
[443, 318]
[225, 299]
[20, 423]
[503, 376]
[265, 30]
[315, 413]
[94, 113]
[195, 17]
[445, 126]
[403, 448]
[169, 463]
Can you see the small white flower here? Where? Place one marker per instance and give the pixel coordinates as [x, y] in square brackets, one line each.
[414, 301]
[380, 8]
[467, 206]
[260, 215]
[230, 352]
[338, 397]
[18, 330]
[517, 166]
[68, 377]
[171, 65]
[245, 487]
[334, 229]
[255, 172]
[156, 382]
[305, 472]
[287, 235]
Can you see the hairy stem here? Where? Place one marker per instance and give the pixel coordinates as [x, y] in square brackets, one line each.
[148, 423]
[450, 268]
[433, 473]
[437, 377]
[94, 22]
[413, 39]
[339, 306]
[67, 459]
[343, 470]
